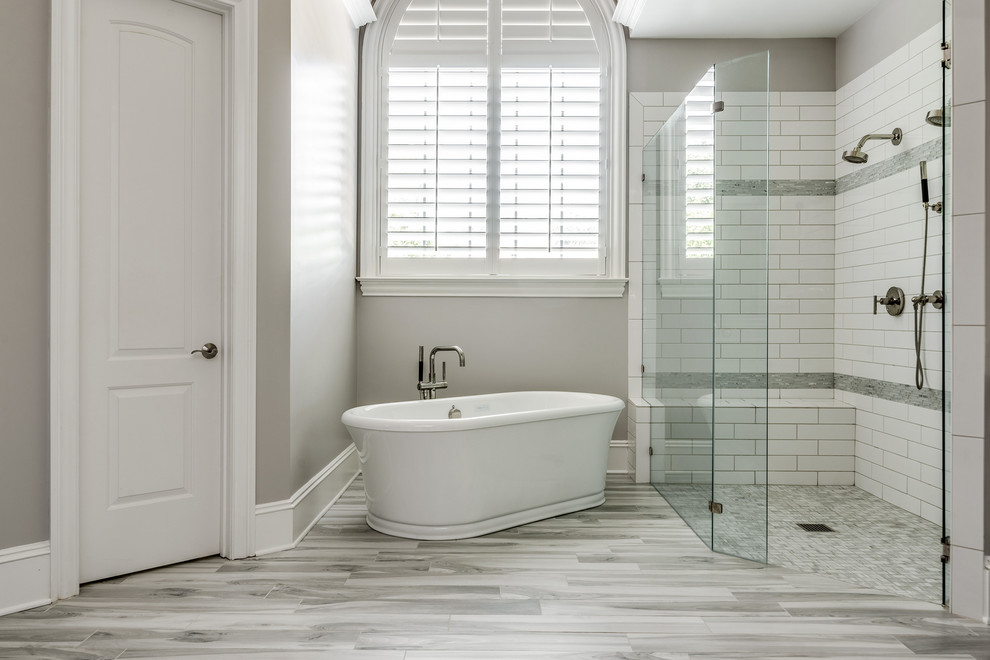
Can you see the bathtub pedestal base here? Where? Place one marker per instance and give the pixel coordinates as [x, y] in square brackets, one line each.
[482, 527]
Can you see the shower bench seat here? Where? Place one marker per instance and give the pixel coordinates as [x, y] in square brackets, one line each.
[811, 441]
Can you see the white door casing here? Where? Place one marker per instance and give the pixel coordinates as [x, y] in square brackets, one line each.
[236, 243]
[150, 285]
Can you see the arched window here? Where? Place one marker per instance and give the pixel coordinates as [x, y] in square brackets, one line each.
[492, 146]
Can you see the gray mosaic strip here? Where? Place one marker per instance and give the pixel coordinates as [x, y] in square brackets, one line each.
[928, 151]
[907, 394]
[778, 187]
[796, 381]
[784, 381]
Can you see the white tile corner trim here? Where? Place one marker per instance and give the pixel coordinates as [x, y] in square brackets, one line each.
[618, 456]
[282, 525]
[25, 577]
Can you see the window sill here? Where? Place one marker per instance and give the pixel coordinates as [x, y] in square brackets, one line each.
[495, 286]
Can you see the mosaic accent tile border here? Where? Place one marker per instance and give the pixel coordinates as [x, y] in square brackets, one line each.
[897, 392]
[930, 150]
[778, 187]
[906, 160]
[789, 381]
[909, 394]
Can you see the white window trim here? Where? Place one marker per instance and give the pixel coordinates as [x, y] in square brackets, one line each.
[611, 39]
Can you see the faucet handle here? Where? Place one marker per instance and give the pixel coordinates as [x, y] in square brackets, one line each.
[893, 301]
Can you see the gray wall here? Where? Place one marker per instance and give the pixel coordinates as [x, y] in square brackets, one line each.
[880, 33]
[324, 233]
[796, 65]
[511, 344]
[24, 46]
[274, 158]
[283, 464]
[307, 169]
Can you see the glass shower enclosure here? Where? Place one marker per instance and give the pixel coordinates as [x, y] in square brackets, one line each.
[705, 315]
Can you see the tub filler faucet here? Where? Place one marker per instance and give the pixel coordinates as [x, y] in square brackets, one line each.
[428, 389]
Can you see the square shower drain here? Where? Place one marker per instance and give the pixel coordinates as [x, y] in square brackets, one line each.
[815, 527]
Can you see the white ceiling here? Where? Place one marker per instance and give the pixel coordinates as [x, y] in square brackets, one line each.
[735, 19]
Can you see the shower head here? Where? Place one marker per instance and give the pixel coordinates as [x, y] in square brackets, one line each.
[858, 156]
[936, 118]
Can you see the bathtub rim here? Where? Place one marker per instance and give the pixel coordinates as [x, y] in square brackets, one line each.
[487, 526]
[590, 404]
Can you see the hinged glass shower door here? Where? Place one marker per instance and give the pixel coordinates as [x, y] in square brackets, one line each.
[705, 306]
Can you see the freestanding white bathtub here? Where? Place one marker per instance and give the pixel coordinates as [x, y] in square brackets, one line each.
[512, 458]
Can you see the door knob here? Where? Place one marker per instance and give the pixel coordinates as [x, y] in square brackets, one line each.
[209, 350]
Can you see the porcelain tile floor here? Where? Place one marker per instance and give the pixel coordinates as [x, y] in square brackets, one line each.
[626, 580]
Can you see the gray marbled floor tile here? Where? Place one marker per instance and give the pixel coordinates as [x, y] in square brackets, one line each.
[626, 581]
[254, 654]
[574, 624]
[501, 641]
[976, 646]
[433, 654]
[207, 640]
[52, 652]
[770, 645]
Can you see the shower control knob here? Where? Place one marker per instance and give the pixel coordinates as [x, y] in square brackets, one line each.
[893, 301]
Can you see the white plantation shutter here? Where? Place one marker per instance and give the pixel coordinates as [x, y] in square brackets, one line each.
[442, 32]
[700, 160]
[494, 160]
[550, 164]
[547, 33]
[437, 143]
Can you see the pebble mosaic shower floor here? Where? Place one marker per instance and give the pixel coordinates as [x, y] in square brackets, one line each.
[874, 543]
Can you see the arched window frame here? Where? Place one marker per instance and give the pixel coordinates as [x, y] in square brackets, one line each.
[377, 40]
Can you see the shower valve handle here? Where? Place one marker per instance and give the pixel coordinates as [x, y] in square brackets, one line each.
[893, 301]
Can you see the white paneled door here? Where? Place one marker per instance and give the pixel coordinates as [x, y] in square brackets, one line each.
[151, 256]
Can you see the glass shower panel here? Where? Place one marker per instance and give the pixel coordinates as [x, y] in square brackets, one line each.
[946, 333]
[678, 306]
[705, 210]
[740, 341]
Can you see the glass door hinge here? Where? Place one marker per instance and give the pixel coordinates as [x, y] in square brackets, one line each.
[947, 54]
[651, 451]
[946, 550]
[714, 507]
[718, 106]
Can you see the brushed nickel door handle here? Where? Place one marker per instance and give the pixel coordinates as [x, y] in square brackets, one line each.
[209, 350]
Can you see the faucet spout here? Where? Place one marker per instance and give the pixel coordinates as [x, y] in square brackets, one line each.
[437, 349]
[428, 390]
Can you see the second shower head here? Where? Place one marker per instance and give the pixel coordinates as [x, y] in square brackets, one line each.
[858, 156]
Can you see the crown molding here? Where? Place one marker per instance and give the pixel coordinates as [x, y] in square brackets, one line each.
[628, 12]
[361, 12]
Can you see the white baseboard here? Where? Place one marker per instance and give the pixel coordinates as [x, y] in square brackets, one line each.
[25, 577]
[282, 525]
[618, 457]
[986, 589]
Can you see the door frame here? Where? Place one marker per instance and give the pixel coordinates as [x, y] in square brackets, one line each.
[239, 313]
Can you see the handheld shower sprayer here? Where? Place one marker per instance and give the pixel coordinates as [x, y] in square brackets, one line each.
[937, 206]
[937, 299]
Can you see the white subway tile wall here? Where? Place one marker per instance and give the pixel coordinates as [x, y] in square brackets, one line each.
[879, 243]
[829, 254]
[811, 442]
